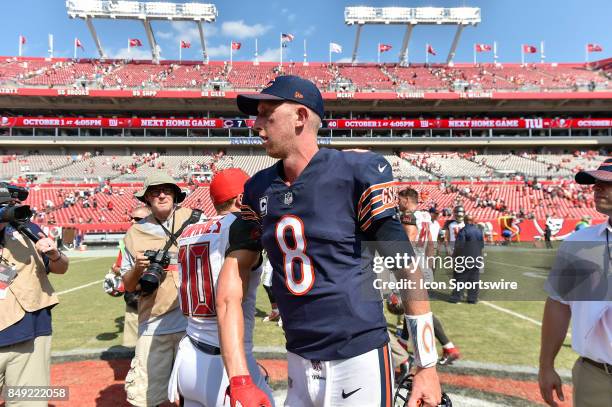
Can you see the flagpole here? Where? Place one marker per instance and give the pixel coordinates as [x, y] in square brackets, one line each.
[586, 53]
[522, 54]
[231, 53]
[50, 36]
[129, 48]
[256, 61]
[20, 44]
[495, 52]
[378, 53]
[75, 48]
[281, 50]
[474, 50]
[330, 53]
[542, 56]
[426, 54]
[305, 60]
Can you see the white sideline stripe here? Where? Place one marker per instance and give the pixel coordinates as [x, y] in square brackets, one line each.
[515, 314]
[81, 260]
[79, 287]
[514, 265]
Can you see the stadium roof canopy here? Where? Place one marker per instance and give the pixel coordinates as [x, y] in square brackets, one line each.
[145, 12]
[411, 16]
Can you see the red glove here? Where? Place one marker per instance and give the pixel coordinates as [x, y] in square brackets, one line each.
[244, 393]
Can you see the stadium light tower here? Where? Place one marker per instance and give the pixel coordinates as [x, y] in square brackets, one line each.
[411, 16]
[145, 12]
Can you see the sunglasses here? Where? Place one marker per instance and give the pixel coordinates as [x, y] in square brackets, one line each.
[155, 192]
[136, 218]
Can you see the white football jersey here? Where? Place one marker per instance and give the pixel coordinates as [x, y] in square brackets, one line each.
[453, 229]
[423, 223]
[202, 249]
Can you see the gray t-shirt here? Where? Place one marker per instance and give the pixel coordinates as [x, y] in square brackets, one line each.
[171, 322]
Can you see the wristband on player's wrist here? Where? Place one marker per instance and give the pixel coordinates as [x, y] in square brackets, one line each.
[422, 337]
[239, 381]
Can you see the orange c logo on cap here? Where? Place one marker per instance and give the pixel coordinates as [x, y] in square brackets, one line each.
[298, 95]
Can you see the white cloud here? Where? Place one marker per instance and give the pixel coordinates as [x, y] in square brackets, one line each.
[219, 51]
[309, 31]
[343, 60]
[164, 35]
[290, 16]
[188, 31]
[134, 53]
[240, 30]
[270, 54]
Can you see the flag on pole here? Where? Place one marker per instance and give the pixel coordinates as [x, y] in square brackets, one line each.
[384, 47]
[482, 47]
[335, 48]
[594, 48]
[287, 37]
[185, 44]
[22, 41]
[430, 50]
[135, 42]
[236, 45]
[529, 49]
[78, 44]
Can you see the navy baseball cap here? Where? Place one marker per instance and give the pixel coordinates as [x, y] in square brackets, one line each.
[603, 173]
[289, 87]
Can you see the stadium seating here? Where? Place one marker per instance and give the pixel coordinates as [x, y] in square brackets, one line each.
[244, 75]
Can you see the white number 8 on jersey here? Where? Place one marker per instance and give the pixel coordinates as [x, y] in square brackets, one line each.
[296, 253]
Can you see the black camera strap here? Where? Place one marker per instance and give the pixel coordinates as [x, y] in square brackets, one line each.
[196, 214]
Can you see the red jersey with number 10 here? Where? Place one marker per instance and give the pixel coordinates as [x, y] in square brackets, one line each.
[313, 232]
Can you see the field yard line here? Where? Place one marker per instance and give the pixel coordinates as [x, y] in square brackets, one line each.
[83, 260]
[513, 265]
[79, 287]
[516, 314]
[507, 311]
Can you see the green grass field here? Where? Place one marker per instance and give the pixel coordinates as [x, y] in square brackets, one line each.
[88, 318]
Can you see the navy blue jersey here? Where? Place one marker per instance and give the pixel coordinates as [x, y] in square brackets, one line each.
[312, 232]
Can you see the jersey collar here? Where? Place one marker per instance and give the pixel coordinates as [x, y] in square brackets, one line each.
[310, 167]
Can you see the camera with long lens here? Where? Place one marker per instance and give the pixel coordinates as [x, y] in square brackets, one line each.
[151, 277]
[12, 212]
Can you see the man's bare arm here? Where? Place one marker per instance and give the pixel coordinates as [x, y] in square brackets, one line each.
[555, 323]
[232, 286]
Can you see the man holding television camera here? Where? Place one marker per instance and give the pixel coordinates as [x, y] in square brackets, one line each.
[27, 256]
[150, 266]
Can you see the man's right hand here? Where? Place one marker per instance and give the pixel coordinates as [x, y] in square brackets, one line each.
[244, 393]
[549, 380]
[141, 263]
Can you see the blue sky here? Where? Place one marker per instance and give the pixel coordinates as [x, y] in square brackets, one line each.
[565, 26]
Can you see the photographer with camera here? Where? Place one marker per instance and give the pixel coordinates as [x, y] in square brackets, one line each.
[27, 256]
[113, 286]
[149, 265]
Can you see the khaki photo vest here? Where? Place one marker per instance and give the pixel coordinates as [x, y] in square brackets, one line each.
[30, 290]
[165, 298]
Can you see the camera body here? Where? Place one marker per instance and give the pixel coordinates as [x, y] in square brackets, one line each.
[151, 277]
[10, 210]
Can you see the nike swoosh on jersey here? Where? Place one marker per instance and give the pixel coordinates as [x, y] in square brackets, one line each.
[347, 395]
[381, 169]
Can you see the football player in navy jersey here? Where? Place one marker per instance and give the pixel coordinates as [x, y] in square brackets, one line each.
[318, 208]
